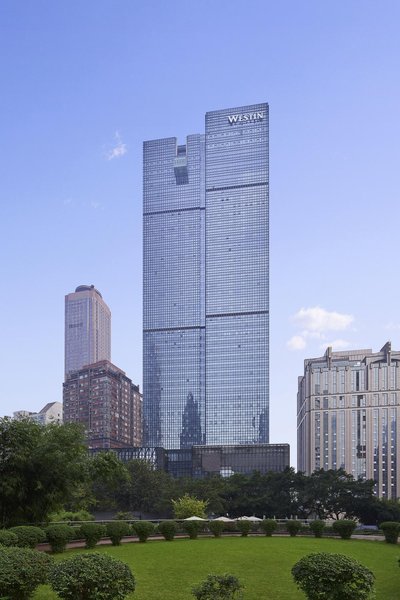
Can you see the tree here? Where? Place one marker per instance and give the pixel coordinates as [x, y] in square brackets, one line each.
[147, 490]
[107, 474]
[377, 511]
[332, 494]
[41, 468]
[187, 506]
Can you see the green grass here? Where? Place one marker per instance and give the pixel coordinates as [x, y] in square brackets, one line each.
[168, 570]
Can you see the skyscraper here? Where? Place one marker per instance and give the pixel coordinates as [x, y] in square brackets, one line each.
[87, 328]
[206, 276]
[348, 407]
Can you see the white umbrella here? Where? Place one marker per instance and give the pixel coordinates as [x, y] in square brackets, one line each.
[253, 518]
[224, 519]
[194, 519]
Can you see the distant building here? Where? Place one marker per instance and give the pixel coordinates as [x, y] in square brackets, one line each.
[87, 328]
[348, 410]
[51, 413]
[227, 460]
[203, 461]
[107, 403]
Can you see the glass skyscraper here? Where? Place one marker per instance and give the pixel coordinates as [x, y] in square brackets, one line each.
[206, 276]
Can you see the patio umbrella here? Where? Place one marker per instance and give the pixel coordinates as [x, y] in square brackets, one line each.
[194, 519]
[224, 520]
[253, 518]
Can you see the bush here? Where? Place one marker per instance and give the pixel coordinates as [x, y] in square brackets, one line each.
[333, 577]
[269, 526]
[317, 527]
[92, 532]
[143, 529]
[21, 571]
[28, 535]
[168, 529]
[344, 527]
[218, 587]
[123, 516]
[58, 536]
[189, 506]
[216, 528]
[72, 517]
[244, 527]
[92, 576]
[8, 538]
[193, 528]
[293, 527]
[391, 530]
[116, 531]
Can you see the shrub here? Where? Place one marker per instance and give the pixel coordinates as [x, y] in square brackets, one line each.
[72, 517]
[344, 527]
[193, 528]
[216, 528]
[168, 529]
[116, 531]
[143, 529]
[333, 577]
[244, 527]
[391, 530]
[58, 536]
[218, 587]
[21, 571]
[92, 576]
[8, 538]
[317, 527]
[293, 527]
[189, 506]
[123, 516]
[92, 532]
[269, 526]
[28, 535]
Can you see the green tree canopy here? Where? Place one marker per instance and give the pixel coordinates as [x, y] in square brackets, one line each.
[41, 467]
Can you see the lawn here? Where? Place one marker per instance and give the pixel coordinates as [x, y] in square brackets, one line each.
[168, 570]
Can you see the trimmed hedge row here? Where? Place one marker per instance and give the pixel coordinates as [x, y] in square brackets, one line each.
[58, 535]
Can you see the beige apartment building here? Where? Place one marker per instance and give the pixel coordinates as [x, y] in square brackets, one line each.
[348, 410]
[87, 328]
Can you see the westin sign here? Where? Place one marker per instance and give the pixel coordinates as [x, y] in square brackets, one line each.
[257, 116]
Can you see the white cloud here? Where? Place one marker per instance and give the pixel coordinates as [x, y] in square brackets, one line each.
[119, 149]
[392, 326]
[318, 320]
[337, 345]
[297, 342]
[95, 205]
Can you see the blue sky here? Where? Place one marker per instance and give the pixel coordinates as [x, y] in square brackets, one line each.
[84, 83]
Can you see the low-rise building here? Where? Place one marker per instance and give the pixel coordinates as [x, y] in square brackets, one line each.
[52, 412]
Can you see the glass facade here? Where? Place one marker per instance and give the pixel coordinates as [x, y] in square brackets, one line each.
[206, 265]
[203, 461]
